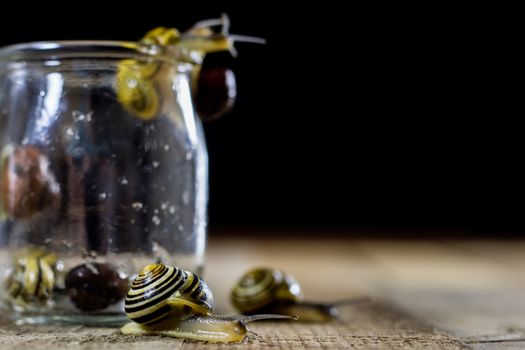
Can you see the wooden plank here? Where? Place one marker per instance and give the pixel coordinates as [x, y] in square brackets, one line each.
[467, 292]
[507, 345]
[373, 325]
[428, 295]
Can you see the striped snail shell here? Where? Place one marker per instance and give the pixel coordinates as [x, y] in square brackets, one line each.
[165, 300]
[160, 291]
[271, 290]
[260, 288]
[32, 278]
[135, 89]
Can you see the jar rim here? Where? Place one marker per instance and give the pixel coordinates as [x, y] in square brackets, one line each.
[83, 49]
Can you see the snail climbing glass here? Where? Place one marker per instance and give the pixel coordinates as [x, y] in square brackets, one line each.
[103, 170]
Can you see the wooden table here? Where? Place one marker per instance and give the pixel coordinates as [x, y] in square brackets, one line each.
[425, 295]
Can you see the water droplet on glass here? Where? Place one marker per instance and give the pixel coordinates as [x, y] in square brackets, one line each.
[164, 206]
[137, 205]
[172, 209]
[42, 93]
[166, 147]
[156, 164]
[180, 227]
[186, 197]
[155, 247]
[156, 211]
[156, 220]
[77, 116]
[124, 181]
[102, 195]
[189, 155]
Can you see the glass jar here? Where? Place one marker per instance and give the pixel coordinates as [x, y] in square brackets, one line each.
[103, 170]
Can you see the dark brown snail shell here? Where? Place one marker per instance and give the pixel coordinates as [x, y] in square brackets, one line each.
[215, 93]
[95, 286]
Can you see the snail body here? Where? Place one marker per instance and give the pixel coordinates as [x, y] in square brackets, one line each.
[209, 328]
[166, 300]
[271, 290]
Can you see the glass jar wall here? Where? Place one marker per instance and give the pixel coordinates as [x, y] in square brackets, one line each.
[103, 170]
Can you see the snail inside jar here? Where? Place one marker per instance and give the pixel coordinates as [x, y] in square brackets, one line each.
[104, 166]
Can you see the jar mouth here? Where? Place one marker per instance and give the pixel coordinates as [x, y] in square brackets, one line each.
[83, 49]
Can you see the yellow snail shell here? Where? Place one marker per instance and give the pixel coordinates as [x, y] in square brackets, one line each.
[32, 278]
[270, 290]
[259, 288]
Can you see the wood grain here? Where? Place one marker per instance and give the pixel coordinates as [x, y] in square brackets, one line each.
[425, 295]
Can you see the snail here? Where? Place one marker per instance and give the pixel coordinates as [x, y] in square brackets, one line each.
[215, 92]
[27, 185]
[32, 278]
[135, 84]
[271, 290]
[166, 300]
[95, 286]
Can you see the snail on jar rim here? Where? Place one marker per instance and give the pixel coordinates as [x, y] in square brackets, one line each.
[271, 290]
[138, 88]
[166, 300]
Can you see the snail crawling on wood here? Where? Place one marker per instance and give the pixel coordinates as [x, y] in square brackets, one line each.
[270, 290]
[166, 300]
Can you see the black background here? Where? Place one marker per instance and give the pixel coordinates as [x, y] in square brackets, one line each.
[369, 117]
